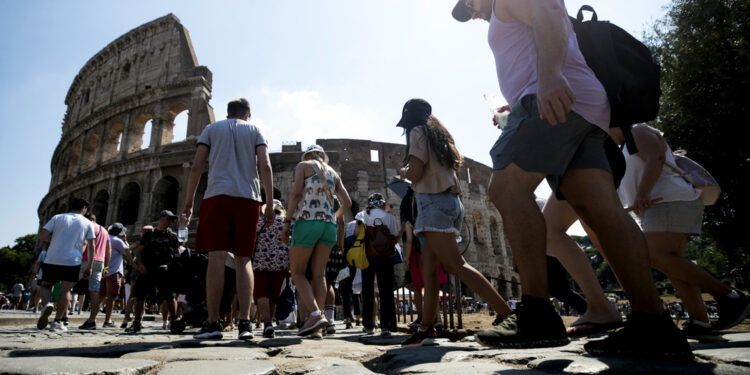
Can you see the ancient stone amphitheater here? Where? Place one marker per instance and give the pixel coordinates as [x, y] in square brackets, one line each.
[124, 151]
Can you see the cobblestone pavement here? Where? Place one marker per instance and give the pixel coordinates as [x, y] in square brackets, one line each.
[26, 350]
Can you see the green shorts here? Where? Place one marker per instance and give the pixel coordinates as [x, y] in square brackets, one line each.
[307, 233]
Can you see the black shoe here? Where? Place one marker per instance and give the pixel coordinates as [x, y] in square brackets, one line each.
[268, 332]
[348, 324]
[732, 311]
[88, 324]
[421, 338]
[534, 324]
[498, 320]
[245, 328]
[210, 331]
[125, 323]
[64, 320]
[647, 336]
[693, 330]
[134, 328]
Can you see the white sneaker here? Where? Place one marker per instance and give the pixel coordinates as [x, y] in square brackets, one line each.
[44, 317]
[58, 327]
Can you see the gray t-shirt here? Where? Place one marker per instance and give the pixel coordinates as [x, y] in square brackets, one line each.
[118, 251]
[232, 160]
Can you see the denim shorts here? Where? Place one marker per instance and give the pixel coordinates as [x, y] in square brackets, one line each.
[95, 280]
[307, 233]
[441, 212]
[673, 217]
[536, 146]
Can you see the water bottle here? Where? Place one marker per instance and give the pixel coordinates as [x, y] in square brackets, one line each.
[182, 231]
[495, 103]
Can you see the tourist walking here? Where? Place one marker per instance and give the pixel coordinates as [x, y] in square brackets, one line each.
[68, 234]
[230, 209]
[270, 267]
[311, 210]
[102, 254]
[110, 288]
[431, 162]
[556, 129]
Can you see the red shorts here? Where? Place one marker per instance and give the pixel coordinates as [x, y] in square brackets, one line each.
[268, 285]
[110, 285]
[415, 269]
[227, 224]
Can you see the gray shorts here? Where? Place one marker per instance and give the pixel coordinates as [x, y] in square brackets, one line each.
[673, 217]
[536, 146]
[95, 280]
[441, 212]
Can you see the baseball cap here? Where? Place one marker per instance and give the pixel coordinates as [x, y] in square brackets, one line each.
[415, 112]
[167, 213]
[461, 12]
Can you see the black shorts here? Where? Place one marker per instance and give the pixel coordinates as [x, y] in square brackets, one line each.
[53, 273]
[153, 283]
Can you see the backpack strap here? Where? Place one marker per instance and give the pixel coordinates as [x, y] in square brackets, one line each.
[323, 181]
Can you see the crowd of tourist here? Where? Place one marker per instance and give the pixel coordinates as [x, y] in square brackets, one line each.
[262, 261]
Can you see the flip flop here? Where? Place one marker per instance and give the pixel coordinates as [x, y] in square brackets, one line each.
[583, 329]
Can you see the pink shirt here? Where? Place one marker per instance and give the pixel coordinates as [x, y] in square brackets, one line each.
[100, 243]
[512, 43]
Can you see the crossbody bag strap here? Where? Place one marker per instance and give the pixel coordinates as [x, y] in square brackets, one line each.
[323, 181]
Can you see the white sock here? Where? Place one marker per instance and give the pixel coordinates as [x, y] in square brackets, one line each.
[330, 310]
[733, 294]
[315, 313]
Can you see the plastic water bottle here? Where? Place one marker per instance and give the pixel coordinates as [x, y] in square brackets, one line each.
[495, 103]
[182, 231]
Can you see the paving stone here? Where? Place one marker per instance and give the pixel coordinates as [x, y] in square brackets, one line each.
[299, 366]
[232, 367]
[342, 370]
[479, 368]
[735, 356]
[66, 365]
[194, 354]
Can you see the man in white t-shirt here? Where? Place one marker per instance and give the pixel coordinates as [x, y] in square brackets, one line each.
[68, 234]
[230, 208]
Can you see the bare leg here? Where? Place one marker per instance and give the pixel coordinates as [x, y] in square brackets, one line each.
[512, 191]
[559, 216]
[109, 304]
[62, 302]
[592, 195]
[319, 259]
[265, 309]
[298, 259]
[94, 305]
[441, 248]
[244, 285]
[215, 284]
[418, 301]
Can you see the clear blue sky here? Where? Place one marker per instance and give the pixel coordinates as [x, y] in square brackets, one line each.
[311, 69]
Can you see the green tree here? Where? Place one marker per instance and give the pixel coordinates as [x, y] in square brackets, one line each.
[703, 47]
[15, 262]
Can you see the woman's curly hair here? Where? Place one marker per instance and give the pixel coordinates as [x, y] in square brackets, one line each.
[440, 142]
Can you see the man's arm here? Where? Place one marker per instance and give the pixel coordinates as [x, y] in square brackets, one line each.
[90, 264]
[139, 259]
[44, 235]
[651, 150]
[548, 20]
[108, 254]
[201, 155]
[266, 174]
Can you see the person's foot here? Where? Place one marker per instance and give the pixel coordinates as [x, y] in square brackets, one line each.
[311, 324]
[109, 324]
[317, 335]
[58, 327]
[421, 338]
[125, 323]
[210, 331]
[44, 317]
[164, 325]
[268, 332]
[358, 322]
[695, 329]
[498, 320]
[649, 336]
[385, 333]
[330, 329]
[88, 324]
[534, 324]
[368, 331]
[65, 320]
[732, 311]
[415, 323]
[134, 328]
[348, 323]
[246, 330]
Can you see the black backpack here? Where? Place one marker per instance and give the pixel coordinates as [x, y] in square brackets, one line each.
[626, 69]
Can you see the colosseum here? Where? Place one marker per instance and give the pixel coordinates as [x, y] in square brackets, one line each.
[123, 150]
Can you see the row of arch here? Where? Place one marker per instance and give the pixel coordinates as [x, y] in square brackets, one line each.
[498, 242]
[106, 142]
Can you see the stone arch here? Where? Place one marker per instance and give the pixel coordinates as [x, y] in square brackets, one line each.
[100, 206]
[89, 151]
[112, 141]
[497, 245]
[139, 132]
[74, 158]
[165, 194]
[176, 124]
[130, 200]
[478, 226]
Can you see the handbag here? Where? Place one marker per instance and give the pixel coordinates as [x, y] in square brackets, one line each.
[696, 175]
[285, 306]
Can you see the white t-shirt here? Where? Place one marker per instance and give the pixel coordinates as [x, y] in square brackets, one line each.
[231, 159]
[118, 251]
[388, 220]
[69, 234]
